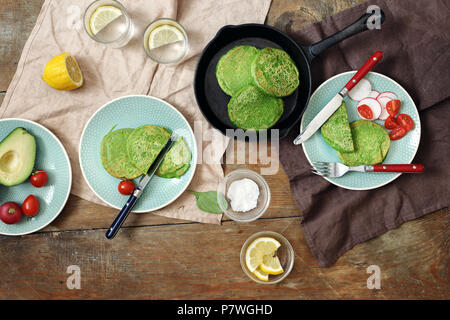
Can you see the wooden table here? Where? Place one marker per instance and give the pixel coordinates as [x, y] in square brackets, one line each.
[160, 258]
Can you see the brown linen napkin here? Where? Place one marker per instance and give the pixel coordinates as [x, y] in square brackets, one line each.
[416, 48]
[111, 73]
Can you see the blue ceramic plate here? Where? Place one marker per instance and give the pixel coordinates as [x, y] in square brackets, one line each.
[132, 112]
[51, 157]
[401, 151]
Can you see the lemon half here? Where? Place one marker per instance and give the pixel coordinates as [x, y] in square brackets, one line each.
[62, 72]
[264, 246]
[164, 35]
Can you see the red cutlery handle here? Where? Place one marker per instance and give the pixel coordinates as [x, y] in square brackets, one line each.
[413, 167]
[370, 63]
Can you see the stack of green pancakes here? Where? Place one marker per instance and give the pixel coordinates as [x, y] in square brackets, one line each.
[256, 80]
[128, 153]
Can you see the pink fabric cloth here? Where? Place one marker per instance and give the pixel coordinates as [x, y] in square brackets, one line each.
[111, 73]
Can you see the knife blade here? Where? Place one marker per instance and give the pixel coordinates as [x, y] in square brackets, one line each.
[123, 214]
[336, 101]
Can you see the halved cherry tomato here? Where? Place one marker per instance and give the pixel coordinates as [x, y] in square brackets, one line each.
[39, 178]
[393, 107]
[397, 133]
[30, 206]
[391, 123]
[405, 121]
[126, 187]
[365, 111]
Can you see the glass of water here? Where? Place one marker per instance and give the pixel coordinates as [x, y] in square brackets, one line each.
[165, 41]
[107, 22]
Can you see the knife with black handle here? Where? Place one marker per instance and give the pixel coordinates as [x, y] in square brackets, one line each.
[123, 214]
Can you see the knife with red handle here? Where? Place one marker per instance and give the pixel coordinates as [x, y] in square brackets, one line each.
[412, 168]
[336, 101]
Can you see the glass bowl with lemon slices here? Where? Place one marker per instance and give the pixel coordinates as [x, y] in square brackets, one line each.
[165, 41]
[267, 257]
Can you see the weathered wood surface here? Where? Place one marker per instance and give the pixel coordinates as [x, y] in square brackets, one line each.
[156, 257]
[202, 262]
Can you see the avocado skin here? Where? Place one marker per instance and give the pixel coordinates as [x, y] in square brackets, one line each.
[18, 140]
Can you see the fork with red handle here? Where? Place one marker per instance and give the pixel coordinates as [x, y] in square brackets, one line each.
[336, 169]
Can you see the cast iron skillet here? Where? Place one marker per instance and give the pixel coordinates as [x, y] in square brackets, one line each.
[213, 101]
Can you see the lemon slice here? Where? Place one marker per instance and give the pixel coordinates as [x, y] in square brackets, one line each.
[261, 275]
[258, 249]
[271, 265]
[103, 16]
[62, 72]
[164, 35]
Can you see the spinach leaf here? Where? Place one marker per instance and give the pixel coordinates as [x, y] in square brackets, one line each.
[207, 201]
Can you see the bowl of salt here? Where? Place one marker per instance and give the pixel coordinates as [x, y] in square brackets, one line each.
[243, 195]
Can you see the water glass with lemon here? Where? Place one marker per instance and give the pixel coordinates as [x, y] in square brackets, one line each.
[165, 41]
[108, 22]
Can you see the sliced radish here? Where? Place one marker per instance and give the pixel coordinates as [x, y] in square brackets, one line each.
[361, 90]
[391, 95]
[373, 94]
[383, 100]
[373, 104]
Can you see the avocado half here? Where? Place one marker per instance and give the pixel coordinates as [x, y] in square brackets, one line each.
[17, 157]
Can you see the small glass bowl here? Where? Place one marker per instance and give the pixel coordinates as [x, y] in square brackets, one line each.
[263, 199]
[285, 254]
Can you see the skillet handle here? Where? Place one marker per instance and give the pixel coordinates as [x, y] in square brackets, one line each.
[356, 27]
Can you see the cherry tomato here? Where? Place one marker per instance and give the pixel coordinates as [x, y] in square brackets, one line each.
[391, 123]
[397, 133]
[30, 206]
[393, 107]
[126, 187]
[39, 178]
[405, 121]
[10, 213]
[365, 111]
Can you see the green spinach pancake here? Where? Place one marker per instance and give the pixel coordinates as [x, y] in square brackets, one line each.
[144, 144]
[275, 73]
[336, 130]
[176, 162]
[233, 69]
[113, 155]
[371, 144]
[252, 109]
